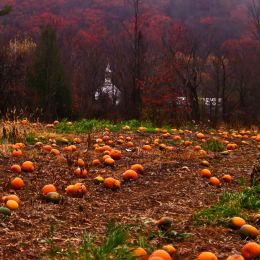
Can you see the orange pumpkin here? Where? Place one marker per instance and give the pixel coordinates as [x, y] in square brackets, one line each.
[147, 147]
[12, 204]
[47, 148]
[139, 253]
[130, 144]
[197, 147]
[130, 175]
[105, 157]
[187, 143]
[104, 148]
[231, 146]
[70, 190]
[170, 249]
[202, 152]
[109, 182]
[48, 188]
[237, 222]
[205, 173]
[161, 254]
[17, 183]
[16, 168]
[81, 172]
[80, 163]
[115, 154]
[17, 153]
[227, 178]
[77, 140]
[28, 166]
[96, 162]
[248, 231]
[250, 250]
[73, 147]
[207, 256]
[137, 168]
[80, 189]
[11, 197]
[176, 138]
[67, 149]
[214, 181]
[200, 136]
[109, 161]
[55, 152]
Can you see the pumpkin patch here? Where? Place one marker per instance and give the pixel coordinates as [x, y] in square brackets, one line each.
[159, 179]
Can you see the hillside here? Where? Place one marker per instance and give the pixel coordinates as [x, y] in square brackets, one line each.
[98, 17]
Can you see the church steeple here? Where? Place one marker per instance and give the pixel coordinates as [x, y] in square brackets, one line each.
[108, 88]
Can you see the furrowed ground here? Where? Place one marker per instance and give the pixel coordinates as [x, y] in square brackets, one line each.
[170, 186]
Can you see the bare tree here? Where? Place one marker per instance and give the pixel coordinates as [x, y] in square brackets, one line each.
[254, 14]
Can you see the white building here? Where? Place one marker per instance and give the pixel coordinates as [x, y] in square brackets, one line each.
[109, 89]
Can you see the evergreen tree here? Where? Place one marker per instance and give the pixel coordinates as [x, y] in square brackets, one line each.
[46, 77]
[6, 10]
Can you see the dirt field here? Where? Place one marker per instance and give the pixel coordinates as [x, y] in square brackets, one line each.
[164, 189]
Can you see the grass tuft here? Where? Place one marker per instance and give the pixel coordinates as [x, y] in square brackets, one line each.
[229, 205]
[213, 146]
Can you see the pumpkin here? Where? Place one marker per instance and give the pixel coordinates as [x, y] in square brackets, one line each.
[161, 254]
[236, 222]
[16, 168]
[248, 231]
[80, 163]
[12, 204]
[227, 178]
[17, 183]
[96, 162]
[170, 249]
[28, 166]
[214, 181]
[207, 256]
[55, 152]
[137, 168]
[11, 197]
[130, 175]
[250, 250]
[205, 173]
[147, 147]
[115, 154]
[48, 188]
[200, 136]
[109, 161]
[139, 253]
[17, 153]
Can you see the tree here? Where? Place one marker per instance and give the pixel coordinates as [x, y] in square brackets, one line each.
[46, 77]
[254, 14]
[136, 95]
[6, 10]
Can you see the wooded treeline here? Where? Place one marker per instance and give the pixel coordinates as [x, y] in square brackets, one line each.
[171, 61]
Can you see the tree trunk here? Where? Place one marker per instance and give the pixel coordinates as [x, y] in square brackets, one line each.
[194, 102]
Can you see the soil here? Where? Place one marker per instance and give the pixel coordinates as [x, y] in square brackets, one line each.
[164, 189]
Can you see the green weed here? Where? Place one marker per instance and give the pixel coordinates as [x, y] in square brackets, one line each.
[213, 146]
[229, 205]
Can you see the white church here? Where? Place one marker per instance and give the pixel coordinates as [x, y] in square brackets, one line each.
[109, 89]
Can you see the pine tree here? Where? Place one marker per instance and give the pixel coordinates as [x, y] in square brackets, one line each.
[46, 77]
[6, 10]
